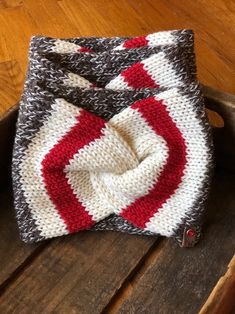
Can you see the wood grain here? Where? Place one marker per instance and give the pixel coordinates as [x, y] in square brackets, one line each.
[222, 299]
[13, 252]
[76, 274]
[84, 273]
[224, 105]
[83, 278]
[11, 80]
[214, 30]
[179, 281]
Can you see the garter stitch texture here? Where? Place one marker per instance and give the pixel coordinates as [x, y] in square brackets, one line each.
[111, 135]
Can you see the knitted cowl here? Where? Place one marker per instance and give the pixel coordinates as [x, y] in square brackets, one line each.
[110, 80]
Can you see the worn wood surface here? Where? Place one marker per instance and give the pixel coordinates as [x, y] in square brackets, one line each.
[222, 298]
[180, 281]
[13, 252]
[224, 137]
[76, 274]
[115, 272]
[84, 273]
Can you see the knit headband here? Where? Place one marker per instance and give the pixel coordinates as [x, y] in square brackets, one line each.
[112, 135]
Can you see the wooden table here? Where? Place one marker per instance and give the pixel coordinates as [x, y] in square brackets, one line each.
[107, 271]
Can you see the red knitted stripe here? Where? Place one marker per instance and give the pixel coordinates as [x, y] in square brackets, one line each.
[156, 115]
[136, 42]
[70, 209]
[137, 77]
[84, 49]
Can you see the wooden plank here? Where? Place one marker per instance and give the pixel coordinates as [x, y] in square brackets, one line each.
[224, 105]
[180, 280]
[15, 32]
[13, 252]
[48, 24]
[76, 274]
[11, 82]
[222, 298]
[10, 3]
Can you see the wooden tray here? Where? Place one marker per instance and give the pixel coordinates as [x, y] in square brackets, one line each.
[111, 272]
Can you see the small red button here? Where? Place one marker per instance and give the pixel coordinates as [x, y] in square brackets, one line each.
[191, 233]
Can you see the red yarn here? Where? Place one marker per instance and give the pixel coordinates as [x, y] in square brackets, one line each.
[70, 209]
[136, 42]
[84, 49]
[87, 130]
[155, 113]
[137, 77]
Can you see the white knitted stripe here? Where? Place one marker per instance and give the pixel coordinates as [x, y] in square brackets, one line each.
[106, 154]
[161, 70]
[43, 211]
[83, 188]
[158, 68]
[123, 179]
[75, 80]
[118, 83]
[150, 148]
[156, 39]
[171, 214]
[62, 46]
[161, 38]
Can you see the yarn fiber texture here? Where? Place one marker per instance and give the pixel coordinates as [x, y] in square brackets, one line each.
[111, 135]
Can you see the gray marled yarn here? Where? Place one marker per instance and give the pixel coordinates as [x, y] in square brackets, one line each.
[45, 82]
[185, 38]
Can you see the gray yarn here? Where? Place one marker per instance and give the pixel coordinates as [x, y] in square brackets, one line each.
[44, 83]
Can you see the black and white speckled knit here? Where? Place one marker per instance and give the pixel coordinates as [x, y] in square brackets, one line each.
[99, 75]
